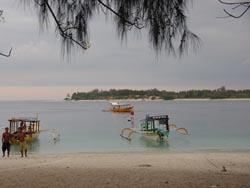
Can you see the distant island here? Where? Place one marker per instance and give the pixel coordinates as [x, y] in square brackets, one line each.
[155, 94]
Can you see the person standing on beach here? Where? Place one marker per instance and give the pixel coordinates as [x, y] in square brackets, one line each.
[22, 142]
[6, 142]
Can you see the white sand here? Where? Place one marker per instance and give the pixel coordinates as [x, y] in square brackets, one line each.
[145, 169]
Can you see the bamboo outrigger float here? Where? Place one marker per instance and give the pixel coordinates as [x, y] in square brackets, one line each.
[153, 127]
[29, 125]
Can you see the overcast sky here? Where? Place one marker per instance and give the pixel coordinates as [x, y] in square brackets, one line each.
[36, 69]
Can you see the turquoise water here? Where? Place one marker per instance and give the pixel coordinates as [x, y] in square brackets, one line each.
[215, 125]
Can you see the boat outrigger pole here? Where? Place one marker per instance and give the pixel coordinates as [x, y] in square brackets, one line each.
[131, 131]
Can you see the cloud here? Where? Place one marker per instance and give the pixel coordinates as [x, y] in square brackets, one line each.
[36, 59]
[36, 53]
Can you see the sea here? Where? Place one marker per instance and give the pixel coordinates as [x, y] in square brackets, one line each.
[83, 126]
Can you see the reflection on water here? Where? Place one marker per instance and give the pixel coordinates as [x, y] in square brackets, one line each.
[178, 140]
[45, 142]
[33, 147]
[153, 144]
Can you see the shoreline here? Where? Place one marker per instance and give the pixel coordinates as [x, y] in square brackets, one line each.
[194, 99]
[133, 169]
[109, 100]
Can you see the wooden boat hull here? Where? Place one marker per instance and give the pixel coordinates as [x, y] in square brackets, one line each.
[153, 136]
[129, 109]
[120, 107]
[28, 138]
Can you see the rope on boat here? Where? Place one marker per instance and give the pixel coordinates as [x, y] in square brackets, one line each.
[54, 133]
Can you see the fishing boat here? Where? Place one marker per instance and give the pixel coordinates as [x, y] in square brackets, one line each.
[29, 125]
[120, 107]
[153, 127]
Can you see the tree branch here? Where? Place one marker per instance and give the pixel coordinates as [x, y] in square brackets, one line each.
[245, 4]
[231, 15]
[120, 16]
[165, 21]
[61, 30]
[235, 3]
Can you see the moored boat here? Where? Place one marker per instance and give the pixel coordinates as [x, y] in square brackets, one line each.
[29, 125]
[120, 107]
[153, 127]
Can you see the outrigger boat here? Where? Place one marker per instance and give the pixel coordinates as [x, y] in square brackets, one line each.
[120, 107]
[29, 125]
[153, 127]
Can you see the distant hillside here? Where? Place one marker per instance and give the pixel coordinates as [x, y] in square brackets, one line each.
[153, 94]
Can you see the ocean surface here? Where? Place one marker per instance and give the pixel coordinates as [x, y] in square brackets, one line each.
[83, 126]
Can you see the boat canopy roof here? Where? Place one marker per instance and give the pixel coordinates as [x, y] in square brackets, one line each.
[24, 119]
[26, 123]
[119, 104]
[161, 117]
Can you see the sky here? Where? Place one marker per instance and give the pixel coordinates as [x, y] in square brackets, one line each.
[36, 69]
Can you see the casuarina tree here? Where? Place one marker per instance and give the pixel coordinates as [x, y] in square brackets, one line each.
[165, 21]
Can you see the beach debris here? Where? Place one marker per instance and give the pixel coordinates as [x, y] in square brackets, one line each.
[216, 166]
[224, 169]
[213, 186]
[144, 165]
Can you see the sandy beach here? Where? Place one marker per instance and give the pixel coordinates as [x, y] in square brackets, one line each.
[144, 169]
